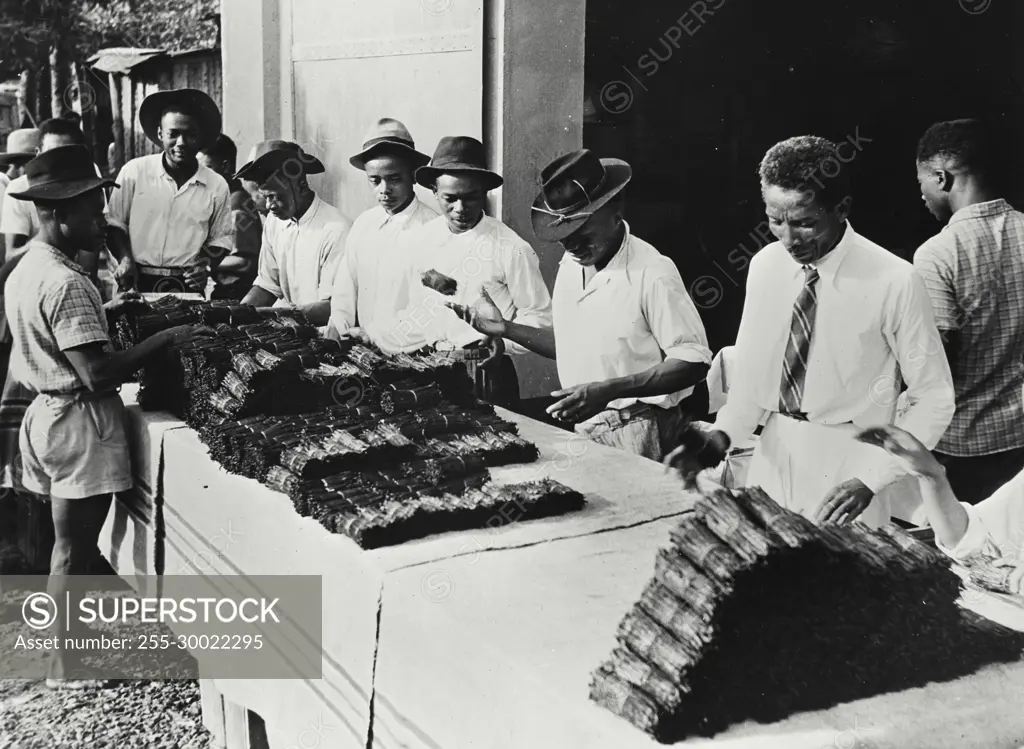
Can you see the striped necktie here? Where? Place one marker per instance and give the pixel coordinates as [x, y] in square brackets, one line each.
[794, 366]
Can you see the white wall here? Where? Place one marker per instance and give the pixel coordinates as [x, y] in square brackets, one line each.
[509, 73]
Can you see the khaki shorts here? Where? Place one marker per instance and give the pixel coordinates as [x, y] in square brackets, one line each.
[75, 446]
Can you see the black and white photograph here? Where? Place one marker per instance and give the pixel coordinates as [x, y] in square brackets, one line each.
[511, 374]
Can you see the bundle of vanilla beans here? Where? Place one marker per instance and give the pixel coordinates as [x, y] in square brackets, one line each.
[382, 448]
[754, 613]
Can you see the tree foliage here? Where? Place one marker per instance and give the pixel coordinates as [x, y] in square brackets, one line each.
[30, 29]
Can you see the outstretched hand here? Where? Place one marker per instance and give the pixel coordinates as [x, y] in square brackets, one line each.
[483, 316]
[905, 447]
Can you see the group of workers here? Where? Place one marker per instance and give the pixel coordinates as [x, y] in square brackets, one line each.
[843, 347]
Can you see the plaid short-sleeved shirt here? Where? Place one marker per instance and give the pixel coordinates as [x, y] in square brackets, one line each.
[52, 306]
[974, 272]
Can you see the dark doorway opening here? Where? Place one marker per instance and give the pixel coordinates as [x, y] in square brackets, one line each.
[693, 94]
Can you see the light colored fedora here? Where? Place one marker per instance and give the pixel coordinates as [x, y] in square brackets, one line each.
[389, 133]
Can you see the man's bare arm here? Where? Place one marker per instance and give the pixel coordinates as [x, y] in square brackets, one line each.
[101, 370]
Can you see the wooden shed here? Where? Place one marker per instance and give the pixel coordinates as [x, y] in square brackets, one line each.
[123, 77]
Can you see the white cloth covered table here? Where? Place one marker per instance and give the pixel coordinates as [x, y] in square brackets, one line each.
[487, 638]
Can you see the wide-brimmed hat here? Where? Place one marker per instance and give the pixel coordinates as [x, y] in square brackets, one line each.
[458, 154]
[190, 101]
[575, 186]
[271, 156]
[388, 133]
[59, 174]
[22, 147]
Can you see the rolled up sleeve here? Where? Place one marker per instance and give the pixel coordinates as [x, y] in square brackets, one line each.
[996, 524]
[526, 286]
[673, 317]
[269, 275]
[222, 230]
[74, 316]
[119, 206]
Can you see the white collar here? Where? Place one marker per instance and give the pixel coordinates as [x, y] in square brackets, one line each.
[403, 216]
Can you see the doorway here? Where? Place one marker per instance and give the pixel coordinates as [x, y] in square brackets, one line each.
[692, 95]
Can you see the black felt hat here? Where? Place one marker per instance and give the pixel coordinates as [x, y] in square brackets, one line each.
[190, 101]
[458, 154]
[60, 174]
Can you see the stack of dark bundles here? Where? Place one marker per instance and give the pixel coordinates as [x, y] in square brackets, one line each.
[381, 448]
[458, 506]
[754, 613]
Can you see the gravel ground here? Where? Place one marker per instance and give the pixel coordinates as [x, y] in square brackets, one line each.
[143, 714]
[133, 713]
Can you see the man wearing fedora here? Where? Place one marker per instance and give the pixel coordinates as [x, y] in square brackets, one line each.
[303, 237]
[476, 251]
[22, 147]
[170, 223]
[73, 445]
[632, 354]
[371, 287]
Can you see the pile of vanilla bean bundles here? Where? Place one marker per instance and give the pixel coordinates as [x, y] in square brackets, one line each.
[755, 614]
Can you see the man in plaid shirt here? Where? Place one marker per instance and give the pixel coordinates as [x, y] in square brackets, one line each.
[974, 272]
[74, 449]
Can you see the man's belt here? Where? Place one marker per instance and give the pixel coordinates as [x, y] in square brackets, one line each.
[465, 354]
[84, 395]
[152, 270]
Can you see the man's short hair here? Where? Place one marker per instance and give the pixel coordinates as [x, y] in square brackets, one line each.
[807, 163]
[965, 145]
[222, 149]
[62, 127]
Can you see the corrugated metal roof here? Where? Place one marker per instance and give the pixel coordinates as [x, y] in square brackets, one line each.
[122, 59]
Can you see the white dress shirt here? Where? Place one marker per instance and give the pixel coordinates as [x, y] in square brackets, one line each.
[299, 258]
[995, 525]
[372, 284]
[489, 255]
[631, 316]
[169, 225]
[873, 325]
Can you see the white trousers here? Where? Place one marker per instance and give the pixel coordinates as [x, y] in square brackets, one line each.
[797, 463]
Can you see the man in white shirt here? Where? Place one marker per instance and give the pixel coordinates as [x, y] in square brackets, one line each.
[303, 237]
[22, 147]
[476, 251]
[632, 353]
[170, 222]
[372, 284]
[831, 324]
